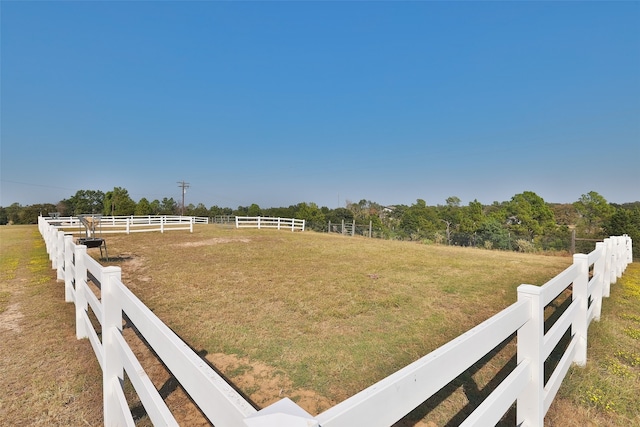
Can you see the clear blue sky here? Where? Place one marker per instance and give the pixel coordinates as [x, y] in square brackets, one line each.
[277, 103]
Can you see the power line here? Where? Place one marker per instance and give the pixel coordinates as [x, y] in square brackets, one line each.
[184, 186]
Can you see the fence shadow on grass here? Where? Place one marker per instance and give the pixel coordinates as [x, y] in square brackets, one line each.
[172, 384]
[472, 391]
[474, 394]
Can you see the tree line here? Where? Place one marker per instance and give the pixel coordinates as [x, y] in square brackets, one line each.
[525, 223]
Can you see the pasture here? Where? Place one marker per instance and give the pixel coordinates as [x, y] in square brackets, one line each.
[313, 317]
[318, 317]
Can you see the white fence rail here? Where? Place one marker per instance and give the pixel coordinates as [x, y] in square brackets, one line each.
[219, 401]
[130, 224]
[382, 404]
[266, 222]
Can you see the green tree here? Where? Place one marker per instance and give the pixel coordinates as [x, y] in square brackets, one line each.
[218, 211]
[168, 207]
[594, 212]
[337, 215]
[529, 215]
[453, 202]
[564, 213]
[254, 210]
[118, 203]
[364, 210]
[624, 221]
[451, 216]
[199, 210]
[241, 211]
[155, 207]
[84, 202]
[281, 212]
[29, 214]
[471, 219]
[493, 235]
[419, 221]
[143, 207]
[313, 216]
[12, 213]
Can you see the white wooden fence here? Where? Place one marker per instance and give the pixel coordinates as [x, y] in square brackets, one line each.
[130, 224]
[382, 404]
[267, 222]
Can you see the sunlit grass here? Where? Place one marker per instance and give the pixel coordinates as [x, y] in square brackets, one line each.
[332, 314]
[47, 376]
[609, 385]
[335, 313]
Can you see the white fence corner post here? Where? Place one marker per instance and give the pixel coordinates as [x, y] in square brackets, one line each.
[68, 275]
[80, 281]
[283, 413]
[530, 403]
[112, 366]
[580, 323]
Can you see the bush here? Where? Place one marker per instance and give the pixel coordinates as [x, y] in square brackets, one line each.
[525, 246]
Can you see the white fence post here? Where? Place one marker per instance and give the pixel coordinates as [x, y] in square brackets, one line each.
[610, 259]
[598, 271]
[530, 403]
[580, 295]
[614, 259]
[60, 255]
[621, 255]
[68, 275]
[48, 229]
[54, 247]
[607, 267]
[112, 367]
[80, 280]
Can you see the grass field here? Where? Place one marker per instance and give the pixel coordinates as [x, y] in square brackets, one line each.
[47, 377]
[314, 317]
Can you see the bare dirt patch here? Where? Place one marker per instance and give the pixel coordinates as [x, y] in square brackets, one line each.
[11, 318]
[214, 241]
[266, 384]
[260, 384]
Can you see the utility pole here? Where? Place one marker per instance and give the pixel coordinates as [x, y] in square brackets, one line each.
[184, 186]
